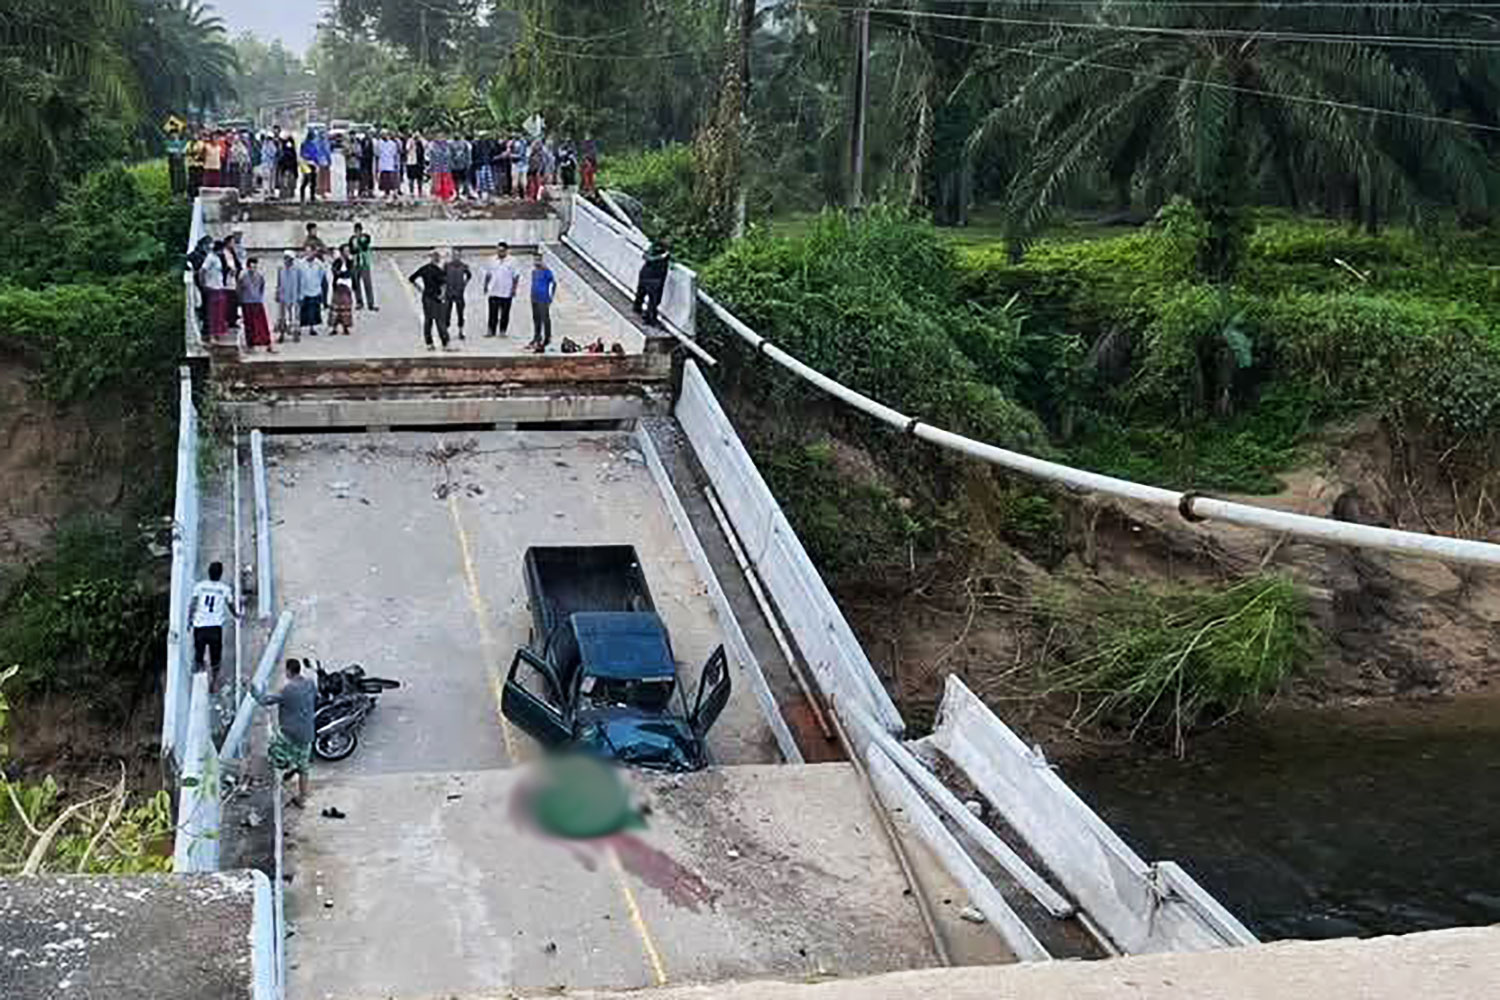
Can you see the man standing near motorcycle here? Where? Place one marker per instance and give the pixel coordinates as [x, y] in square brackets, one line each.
[291, 749]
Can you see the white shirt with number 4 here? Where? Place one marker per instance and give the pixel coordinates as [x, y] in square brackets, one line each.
[211, 601]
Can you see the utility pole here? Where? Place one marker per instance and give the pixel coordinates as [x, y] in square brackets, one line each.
[861, 106]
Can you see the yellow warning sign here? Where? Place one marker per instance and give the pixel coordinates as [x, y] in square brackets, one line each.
[173, 124]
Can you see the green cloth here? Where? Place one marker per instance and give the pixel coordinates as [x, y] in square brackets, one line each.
[364, 254]
[289, 755]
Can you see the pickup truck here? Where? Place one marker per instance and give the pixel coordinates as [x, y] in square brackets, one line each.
[598, 675]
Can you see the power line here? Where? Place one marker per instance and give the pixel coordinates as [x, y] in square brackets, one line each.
[1325, 38]
[1254, 91]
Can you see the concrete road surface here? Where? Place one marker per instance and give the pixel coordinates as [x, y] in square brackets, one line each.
[435, 885]
[395, 331]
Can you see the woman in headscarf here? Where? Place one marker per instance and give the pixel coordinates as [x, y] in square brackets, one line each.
[343, 293]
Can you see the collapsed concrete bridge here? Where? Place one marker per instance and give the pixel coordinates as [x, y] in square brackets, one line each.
[375, 501]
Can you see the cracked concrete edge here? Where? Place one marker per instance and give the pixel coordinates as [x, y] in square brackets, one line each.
[1457, 964]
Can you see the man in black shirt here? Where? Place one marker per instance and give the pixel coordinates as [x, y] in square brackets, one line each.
[652, 282]
[433, 281]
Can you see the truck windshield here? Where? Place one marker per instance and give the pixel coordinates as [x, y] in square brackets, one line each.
[646, 695]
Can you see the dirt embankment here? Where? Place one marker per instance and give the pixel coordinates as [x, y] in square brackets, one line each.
[55, 464]
[52, 463]
[1388, 626]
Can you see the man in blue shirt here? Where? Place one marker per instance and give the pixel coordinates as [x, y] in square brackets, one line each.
[543, 290]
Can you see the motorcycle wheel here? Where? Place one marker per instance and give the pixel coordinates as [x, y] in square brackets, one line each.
[336, 746]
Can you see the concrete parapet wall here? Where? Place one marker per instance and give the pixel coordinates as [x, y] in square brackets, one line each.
[391, 375]
[1142, 908]
[818, 627]
[617, 251]
[621, 330]
[328, 414]
[1438, 965]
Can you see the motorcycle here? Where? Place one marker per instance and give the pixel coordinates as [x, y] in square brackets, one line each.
[345, 700]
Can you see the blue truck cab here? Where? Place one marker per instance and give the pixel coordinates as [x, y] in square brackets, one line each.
[598, 674]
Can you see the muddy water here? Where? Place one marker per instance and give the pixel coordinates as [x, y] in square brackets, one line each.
[1306, 824]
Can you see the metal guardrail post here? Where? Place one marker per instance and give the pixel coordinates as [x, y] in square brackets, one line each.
[269, 657]
[198, 810]
[264, 596]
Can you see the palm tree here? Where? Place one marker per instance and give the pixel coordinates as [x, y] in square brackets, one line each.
[183, 57]
[60, 68]
[1213, 101]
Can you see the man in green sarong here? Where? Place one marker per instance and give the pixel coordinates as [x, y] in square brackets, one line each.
[291, 749]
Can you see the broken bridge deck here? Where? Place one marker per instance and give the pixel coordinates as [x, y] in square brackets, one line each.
[403, 552]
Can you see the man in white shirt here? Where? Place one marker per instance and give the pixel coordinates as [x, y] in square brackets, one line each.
[212, 600]
[501, 276]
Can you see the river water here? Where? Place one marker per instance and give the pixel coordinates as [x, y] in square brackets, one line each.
[1328, 823]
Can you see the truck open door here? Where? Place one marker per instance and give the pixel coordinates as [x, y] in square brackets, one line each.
[528, 688]
[713, 693]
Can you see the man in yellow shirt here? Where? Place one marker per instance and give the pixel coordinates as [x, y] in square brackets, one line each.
[196, 152]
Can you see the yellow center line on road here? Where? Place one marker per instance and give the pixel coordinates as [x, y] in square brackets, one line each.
[648, 944]
[488, 646]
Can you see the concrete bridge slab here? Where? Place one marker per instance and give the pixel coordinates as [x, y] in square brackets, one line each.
[395, 331]
[436, 885]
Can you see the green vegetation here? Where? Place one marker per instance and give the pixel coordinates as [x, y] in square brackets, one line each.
[1195, 385]
[844, 522]
[1173, 658]
[876, 303]
[87, 622]
[41, 831]
[92, 81]
[91, 303]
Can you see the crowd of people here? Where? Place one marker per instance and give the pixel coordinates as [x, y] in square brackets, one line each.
[378, 164]
[309, 283]
[318, 287]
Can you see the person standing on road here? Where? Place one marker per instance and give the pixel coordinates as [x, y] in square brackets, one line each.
[543, 289]
[213, 162]
[286, 170]
[461, 153]
[343, 292]
[253, 305]
[313, 239]
[312, 286]
[288, 299]
[652, 282]
[177, 162]
[440, 164]
[519, 164]
[364, 265]
[388, 164]
[291, 748]
[215, 303]
[309, 189]
[197, 154]
[501, 277]
[416, 164]
[456, 289]
[433, 281]
[323, 157]
[212, 600]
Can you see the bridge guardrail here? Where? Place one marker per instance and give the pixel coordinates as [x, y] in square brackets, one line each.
[617, 251]
[822, 633]
[179, 680]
